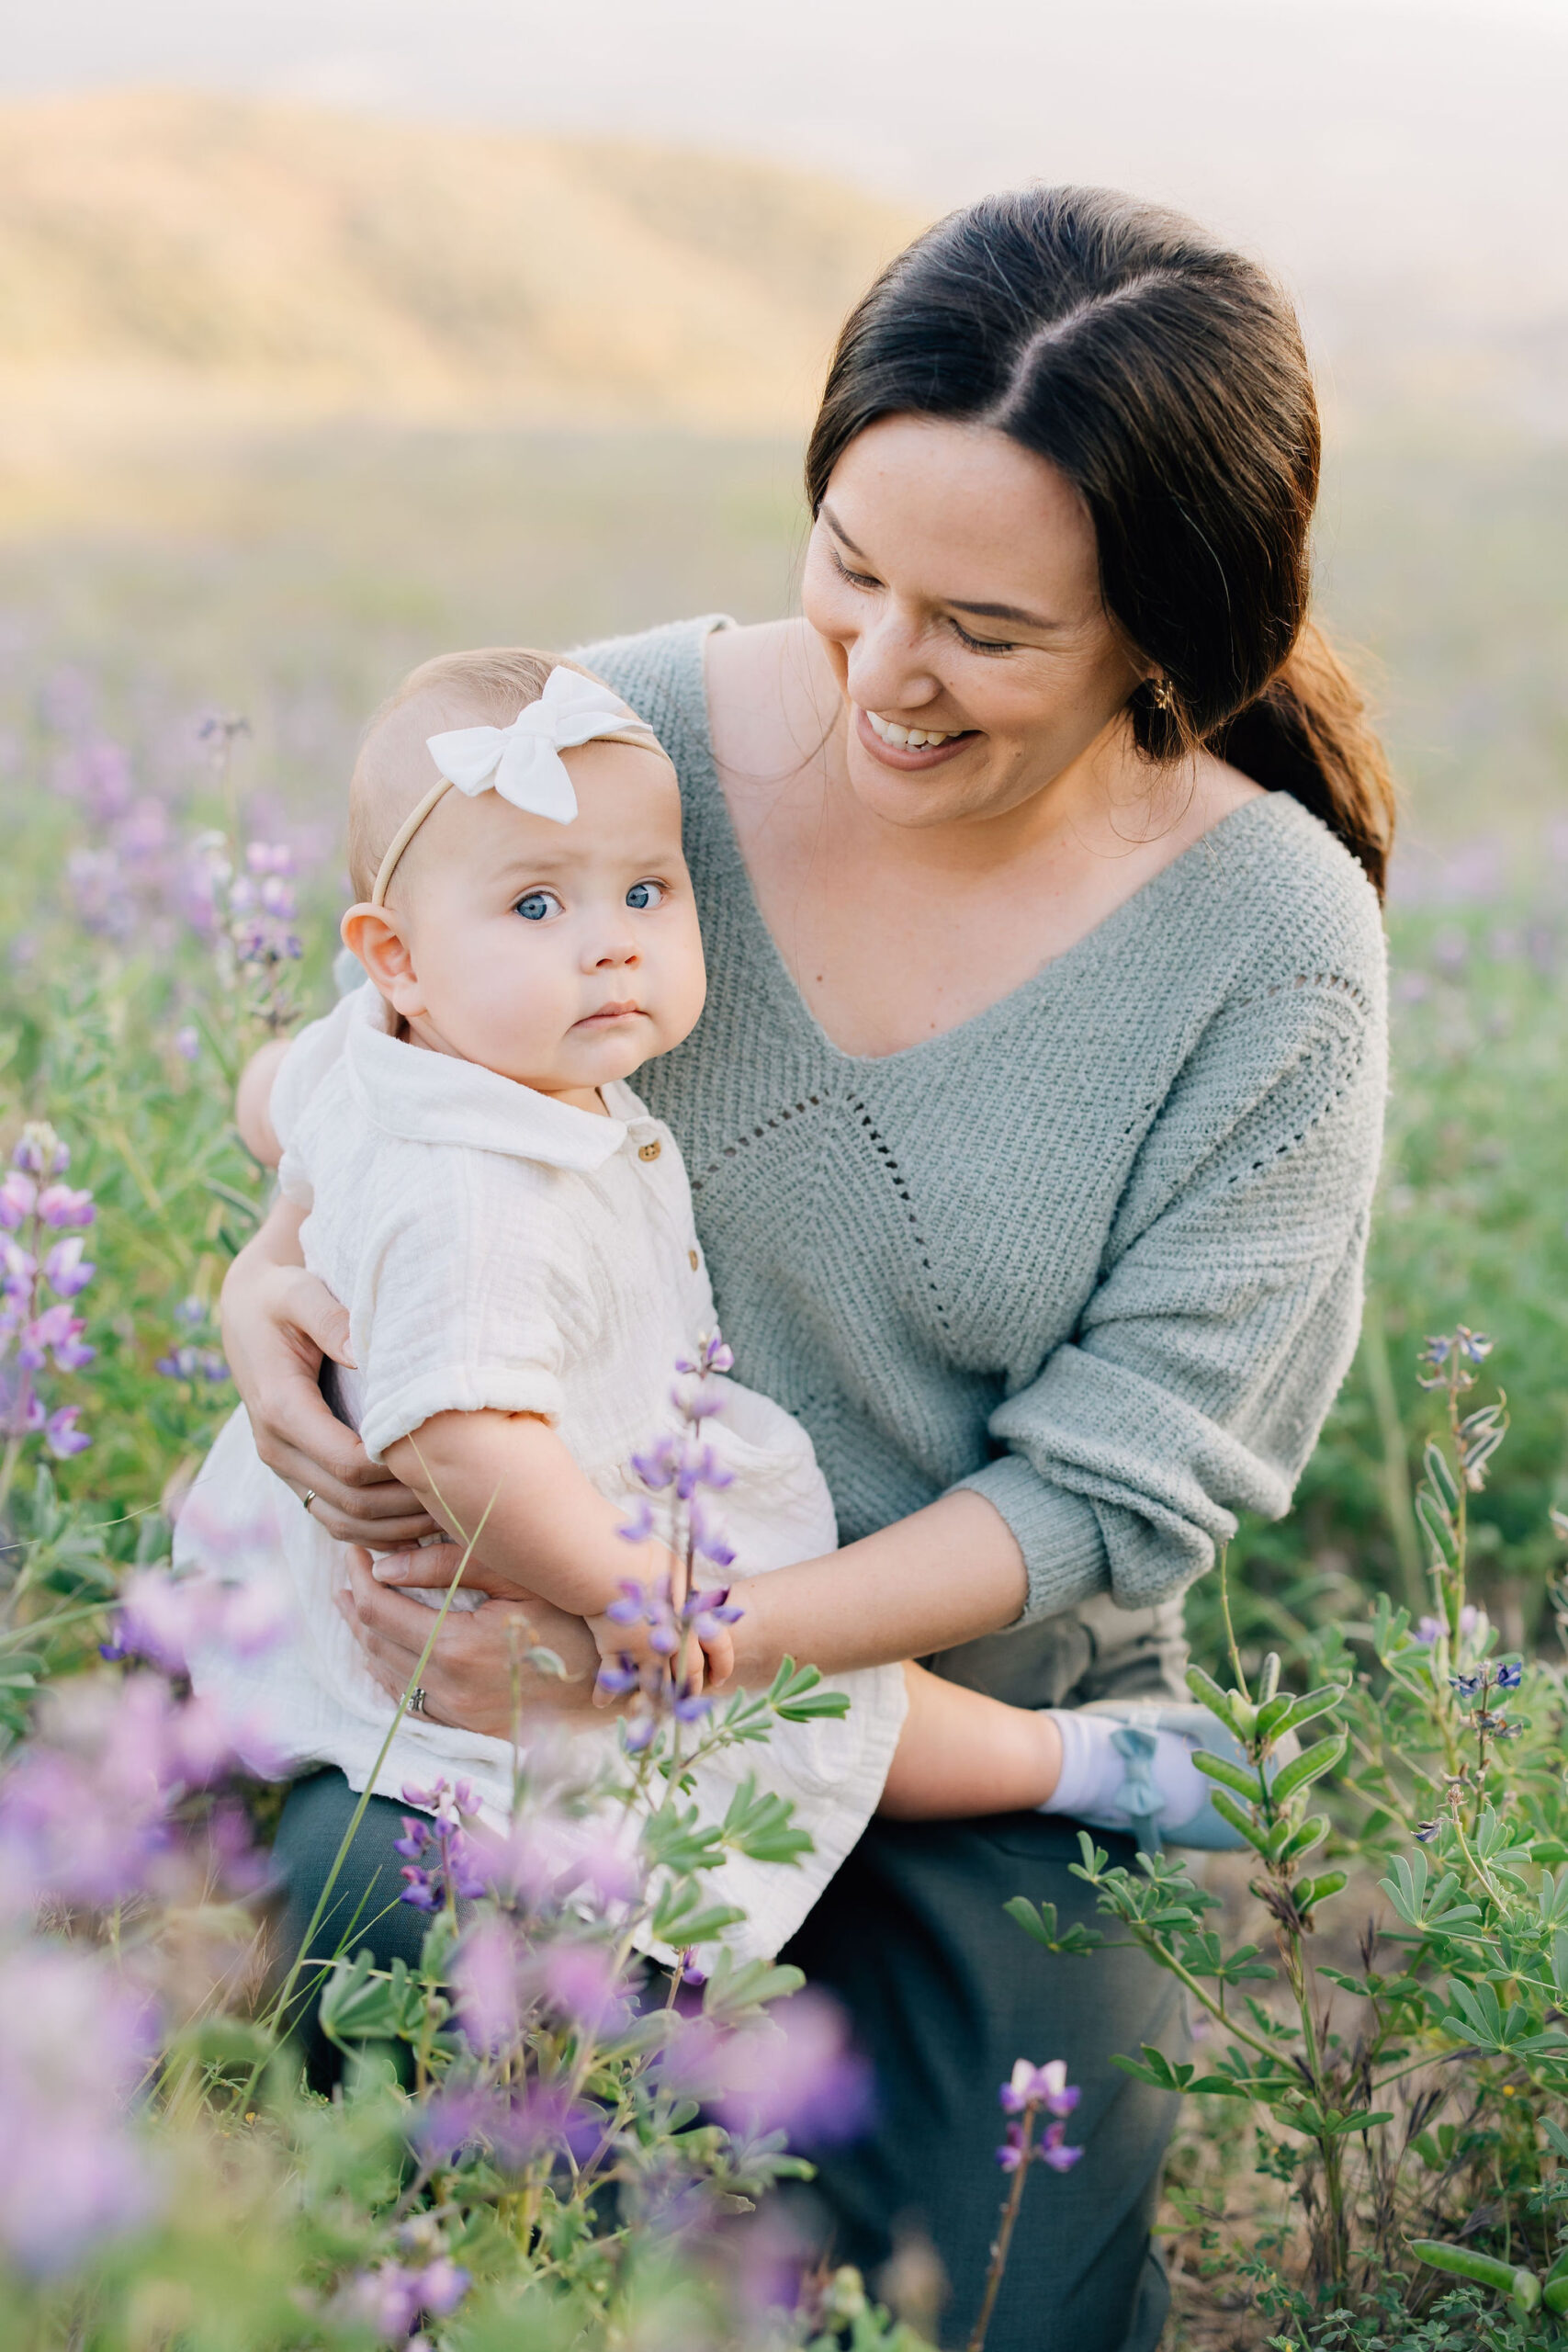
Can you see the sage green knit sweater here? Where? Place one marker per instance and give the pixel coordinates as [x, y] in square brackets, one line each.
[1096, 1253]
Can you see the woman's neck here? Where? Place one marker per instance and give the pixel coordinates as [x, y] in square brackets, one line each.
[894, 933]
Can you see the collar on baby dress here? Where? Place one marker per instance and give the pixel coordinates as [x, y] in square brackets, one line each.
[435, 1098]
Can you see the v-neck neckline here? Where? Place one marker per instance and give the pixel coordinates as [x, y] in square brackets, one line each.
[1048, 974]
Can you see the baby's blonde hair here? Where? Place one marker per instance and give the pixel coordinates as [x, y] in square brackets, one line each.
[491, 683]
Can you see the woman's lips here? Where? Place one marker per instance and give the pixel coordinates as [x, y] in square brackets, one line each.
[896, 755]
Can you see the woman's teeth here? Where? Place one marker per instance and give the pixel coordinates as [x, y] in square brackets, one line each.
[910, 739]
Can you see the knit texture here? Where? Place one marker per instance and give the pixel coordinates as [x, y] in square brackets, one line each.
[1096, 1253]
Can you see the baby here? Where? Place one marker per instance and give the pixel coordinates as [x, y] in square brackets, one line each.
[513, 1236]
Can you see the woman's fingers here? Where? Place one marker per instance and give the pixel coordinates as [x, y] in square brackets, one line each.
[434, 1566]
[278, 1321]
[468, 1675]
[304, 1301]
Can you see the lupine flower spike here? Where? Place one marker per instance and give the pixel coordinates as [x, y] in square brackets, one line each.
[41, 1278]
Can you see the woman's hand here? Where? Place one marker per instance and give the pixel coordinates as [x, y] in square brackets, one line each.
[278, 1322]
[468, 1679]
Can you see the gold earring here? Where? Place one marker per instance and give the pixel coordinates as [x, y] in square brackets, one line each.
[1165, 697]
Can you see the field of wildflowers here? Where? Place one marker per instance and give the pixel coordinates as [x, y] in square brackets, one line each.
[539, 2140]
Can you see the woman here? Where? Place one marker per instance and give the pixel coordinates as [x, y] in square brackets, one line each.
[1032, 1123]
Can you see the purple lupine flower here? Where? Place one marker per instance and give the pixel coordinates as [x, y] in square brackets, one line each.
[18, 1198]
[60, 1206]
[74, 2045]
[61, 1434]
[485, 1981]
[1052, 2151]
[442, 1863]
[187, 1042]
[620, 1678]
[795, 2072]
[640, 1525]
[39, 1152]
[1045, 2086]
[390, 2300]
[707, 1540]
[1510, 1676]
[581, 1982]
[66, 1270]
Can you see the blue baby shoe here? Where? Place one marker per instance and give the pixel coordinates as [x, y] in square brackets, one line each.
[1137, 1800]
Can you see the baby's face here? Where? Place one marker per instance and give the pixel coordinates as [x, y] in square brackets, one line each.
[559, 956]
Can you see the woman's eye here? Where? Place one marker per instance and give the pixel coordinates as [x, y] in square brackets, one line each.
[982, 644]
[855, 578]
[647, 894]
[538, 906]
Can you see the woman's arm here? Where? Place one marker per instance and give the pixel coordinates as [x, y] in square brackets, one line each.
[278, 1322]
[947, 1575]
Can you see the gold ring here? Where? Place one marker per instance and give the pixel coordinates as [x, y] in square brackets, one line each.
[308, 1497]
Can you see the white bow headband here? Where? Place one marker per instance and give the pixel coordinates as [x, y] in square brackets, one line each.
[522, 762]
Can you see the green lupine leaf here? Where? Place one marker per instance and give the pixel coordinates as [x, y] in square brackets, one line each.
[1155, 2070]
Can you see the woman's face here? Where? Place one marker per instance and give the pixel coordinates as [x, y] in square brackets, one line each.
[952, 578]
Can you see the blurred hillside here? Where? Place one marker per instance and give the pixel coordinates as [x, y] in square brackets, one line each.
[171, 262]
[291, 397]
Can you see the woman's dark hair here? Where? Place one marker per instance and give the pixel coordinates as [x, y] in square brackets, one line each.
[1166, 378]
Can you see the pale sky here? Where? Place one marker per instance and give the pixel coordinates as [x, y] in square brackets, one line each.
[1377, 151]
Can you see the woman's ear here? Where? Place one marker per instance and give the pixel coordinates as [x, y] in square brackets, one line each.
[374, 935]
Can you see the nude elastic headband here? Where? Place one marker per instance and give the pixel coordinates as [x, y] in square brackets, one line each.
[522, 762]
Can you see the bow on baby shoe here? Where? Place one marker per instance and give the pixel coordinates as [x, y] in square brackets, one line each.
[522, 762]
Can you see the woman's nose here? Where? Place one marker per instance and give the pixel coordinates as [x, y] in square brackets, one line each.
[887, 665]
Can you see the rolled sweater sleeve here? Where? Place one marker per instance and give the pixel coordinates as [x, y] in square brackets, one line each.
[1226, 1312]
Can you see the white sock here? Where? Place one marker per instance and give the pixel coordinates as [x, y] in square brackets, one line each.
[1093, 1771]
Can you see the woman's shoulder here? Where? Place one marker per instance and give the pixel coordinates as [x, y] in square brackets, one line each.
[1276, 890]
[661, 672]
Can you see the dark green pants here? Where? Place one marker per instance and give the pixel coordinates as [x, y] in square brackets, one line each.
[945, 1992]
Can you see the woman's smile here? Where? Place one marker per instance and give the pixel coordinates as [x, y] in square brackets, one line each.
[908, 747]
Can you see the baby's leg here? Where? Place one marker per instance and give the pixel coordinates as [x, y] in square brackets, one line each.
[961, 1754]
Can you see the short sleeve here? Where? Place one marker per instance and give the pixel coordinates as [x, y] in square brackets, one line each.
[472, 1295]
[313, 1053]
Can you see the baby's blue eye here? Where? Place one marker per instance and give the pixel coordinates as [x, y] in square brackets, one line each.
[538, 907]
[646, 894]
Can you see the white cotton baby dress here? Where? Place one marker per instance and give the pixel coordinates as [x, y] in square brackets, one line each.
[500, 1250]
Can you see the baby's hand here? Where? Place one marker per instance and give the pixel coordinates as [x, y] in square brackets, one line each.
[643, 1627]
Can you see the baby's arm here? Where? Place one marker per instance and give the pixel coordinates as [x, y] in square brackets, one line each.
[252, 1103]
[509, 1476]
[961, 1754]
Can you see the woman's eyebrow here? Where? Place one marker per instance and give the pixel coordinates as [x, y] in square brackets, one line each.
[983, 611]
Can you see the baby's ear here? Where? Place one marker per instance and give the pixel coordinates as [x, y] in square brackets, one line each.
[374, 935]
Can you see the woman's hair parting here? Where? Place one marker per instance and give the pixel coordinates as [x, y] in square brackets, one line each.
[1167, 379]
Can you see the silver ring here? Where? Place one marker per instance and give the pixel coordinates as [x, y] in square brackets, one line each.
[308, 1497]
[417, 1698]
